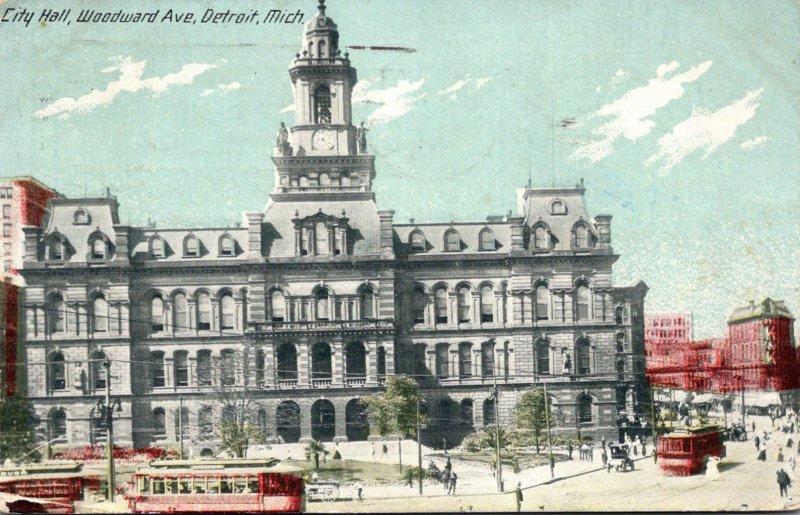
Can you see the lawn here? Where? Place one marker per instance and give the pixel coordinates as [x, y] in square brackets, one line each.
[526, 460]
[348, 470]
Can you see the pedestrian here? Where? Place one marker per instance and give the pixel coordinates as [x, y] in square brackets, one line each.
[359, 489]
[603, 442]
[757, 441]
[518, 494]
[453, 479]
[604, 457]
[569, 449]
[762, 454]
[753, 425]
[385, 450]
[779, 454]
[494, 468]
[792, 464]
[655, 455]
[446, 479]
[644, 450]
[635, 450]
[784, 482]
[411, 477]
[372, 449]
[591, 453]
[584, 449]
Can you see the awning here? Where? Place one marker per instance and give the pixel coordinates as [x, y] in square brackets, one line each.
[762, 399]
[703, 398]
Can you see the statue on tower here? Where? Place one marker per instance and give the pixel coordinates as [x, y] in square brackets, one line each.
[282, 145]
[361, 138]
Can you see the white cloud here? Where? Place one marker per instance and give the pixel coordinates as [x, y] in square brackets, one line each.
[288, 109]
[754, 142]
[453, 90]
[630, 113]
[615, 79]
[704, 130]
[479, 83]
[130, 80]
[394, 101]
[223, 88]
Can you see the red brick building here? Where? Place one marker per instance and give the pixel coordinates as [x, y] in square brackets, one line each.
[668, 327]
[11, 369]
[758, 353]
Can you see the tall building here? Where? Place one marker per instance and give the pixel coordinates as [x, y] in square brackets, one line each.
[12, 365]
[673, 327]
[311, 304]
[23, 201]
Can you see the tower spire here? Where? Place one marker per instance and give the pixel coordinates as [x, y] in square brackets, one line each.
[321, 7]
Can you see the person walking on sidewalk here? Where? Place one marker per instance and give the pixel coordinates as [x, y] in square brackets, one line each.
[784, 482]
[518, 496]
[453, 480]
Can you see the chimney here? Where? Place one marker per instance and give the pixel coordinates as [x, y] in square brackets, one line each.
[254, 221]
[517, 233]
[603, 224]
[387, 234]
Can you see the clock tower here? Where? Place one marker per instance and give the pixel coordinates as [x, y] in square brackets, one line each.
[323, 152]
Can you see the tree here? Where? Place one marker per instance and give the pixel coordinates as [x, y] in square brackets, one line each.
[532, 414]
[395, 410]
[230, 381]
[17, 420]
[489, 438]
[315, 448]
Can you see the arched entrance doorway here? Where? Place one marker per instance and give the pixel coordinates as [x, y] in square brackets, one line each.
[357, 421]
[323, 421]
[287, 422]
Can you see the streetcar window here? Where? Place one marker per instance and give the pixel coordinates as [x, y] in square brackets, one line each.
[185, 488]
[252, 486]
[172, 486]
[239, 484]
[199, 485]
[144, 485]
[158, 485]
[225, 486]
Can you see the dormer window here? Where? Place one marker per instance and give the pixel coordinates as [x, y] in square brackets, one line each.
[452, 241]
[321, 235]
[191, 247]
[81, 217]
[226, 245]
[486, 239]
[417, 241]
[541, 237]
[98, 246]
[157, 247]
[56, 247]
[582, 238]
[558, 207]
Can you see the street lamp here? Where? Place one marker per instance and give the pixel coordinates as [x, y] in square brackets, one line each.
[105, 411]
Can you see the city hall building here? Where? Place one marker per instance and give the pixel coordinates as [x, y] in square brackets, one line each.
[311, 304]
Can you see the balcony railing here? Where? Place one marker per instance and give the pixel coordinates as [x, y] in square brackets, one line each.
[322, 325]
[316, 383]
[287, 383]
[356, 381]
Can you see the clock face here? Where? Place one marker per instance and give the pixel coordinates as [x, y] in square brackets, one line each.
[323, 140]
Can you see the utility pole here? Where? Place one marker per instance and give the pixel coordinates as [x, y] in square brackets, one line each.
[180, 422]
[744, 411]
[653, 413]
[496, 396]
[419, 448]
[109, 414]
[547, 425]
[400, 451]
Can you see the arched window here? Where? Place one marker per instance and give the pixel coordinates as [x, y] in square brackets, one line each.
[489, 415]
[100, 314]
[464, 305]
[487, 359]
[286, 357]
[226, 245]
[181, 424]
[56, 248]
[157, 376]
[324, 179]
[442, 360]
[181, 364]
[321, 51]
[486, 240]
[582, 240]
[543, 357]
[277, 306]
[367, 301]
[228, 308]
[583, 353]
[97, 372]
[157, 247]
[180, 312]
[582, 302]
[619, 313]
[56, 313]
[355, 360]
[487, 304]
[57, 425]
[452, 241]
[466, 412]
[321, 366]
[321, 235]
[228, 367]
[465, 359]
[322, 104]
[191, 246]
[440, 299]
[418, 305]
[557, 207]
[542, 302]
[322, 304]
[620, 342]
[540, 238]
[159, 424]
[204, 367]
[584, 409]
[417, 241]
[56, 371]
[205, 423]
[203, 312]
[99, 247]
[81, 217]
[156, 314]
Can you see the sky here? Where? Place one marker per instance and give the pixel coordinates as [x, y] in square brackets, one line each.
[681, 117]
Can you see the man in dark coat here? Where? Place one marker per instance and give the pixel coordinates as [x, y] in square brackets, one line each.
[784, 482]
[518, 495]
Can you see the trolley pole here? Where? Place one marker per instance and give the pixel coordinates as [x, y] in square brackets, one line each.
[109, 414]
[549, 440]
[419, 448]
[180, 421]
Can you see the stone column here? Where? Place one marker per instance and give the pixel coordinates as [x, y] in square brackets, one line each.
[269, 366]
[389, 348]
[341, 422]
[305, 422]
[477, 362]
[372, 363]
[169, 367]
[302, 364]
[337, 362]
[192, 363]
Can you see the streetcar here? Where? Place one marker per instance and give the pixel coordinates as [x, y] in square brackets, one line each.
[686, 451]
[53, 486]
[216, 486]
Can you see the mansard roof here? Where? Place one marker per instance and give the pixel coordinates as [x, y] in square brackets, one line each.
[468, 232]
[541, 205]
[140, 238]
[101, 216]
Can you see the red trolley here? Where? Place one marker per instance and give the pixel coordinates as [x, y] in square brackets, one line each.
[216, 486]
[57, 485]
[686, 451]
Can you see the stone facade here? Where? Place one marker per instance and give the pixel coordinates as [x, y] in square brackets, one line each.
[311, 304]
